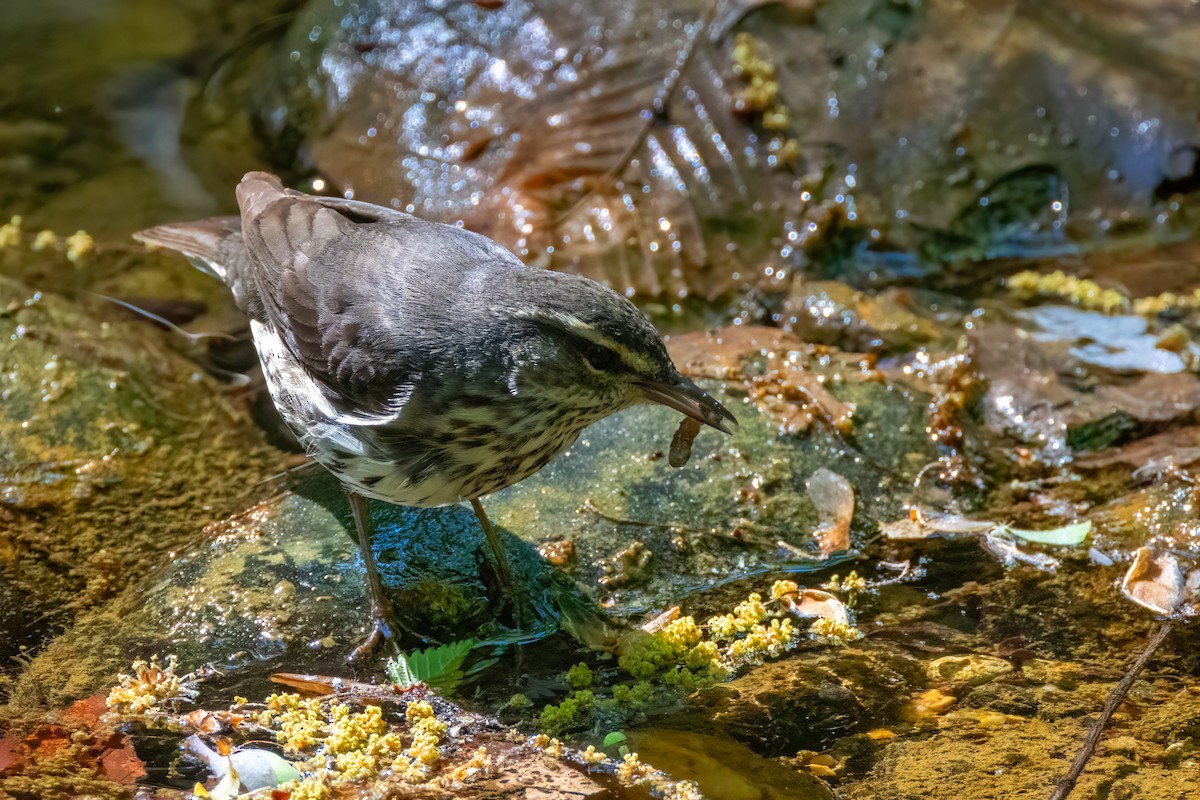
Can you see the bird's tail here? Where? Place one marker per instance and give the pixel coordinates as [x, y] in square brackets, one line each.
[208, 243]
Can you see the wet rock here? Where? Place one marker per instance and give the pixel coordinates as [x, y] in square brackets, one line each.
[985, 754]
[97, 417]
[724, 769]
[25, 624]
[829, 312]
[1041, 392]
[1005, 698]
[644, 535]
[969, 670]
[113, 451]
[808, 701]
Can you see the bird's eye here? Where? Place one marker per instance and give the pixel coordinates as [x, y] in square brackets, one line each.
[601, 359]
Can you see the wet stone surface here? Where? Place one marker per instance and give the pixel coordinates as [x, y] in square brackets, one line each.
[145, 509]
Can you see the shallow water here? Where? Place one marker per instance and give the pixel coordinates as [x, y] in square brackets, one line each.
[153, 504]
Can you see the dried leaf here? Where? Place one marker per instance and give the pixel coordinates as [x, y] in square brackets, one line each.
[834, 498]
[818, 603]
[202, 721]
[87, 712]
[657, 624]
[1155, 581]
[122, 764]
[10, 755]
[597, 138]
[953, 523]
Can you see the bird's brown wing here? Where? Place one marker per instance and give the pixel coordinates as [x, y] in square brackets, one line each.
[369, 299]
[311, 261]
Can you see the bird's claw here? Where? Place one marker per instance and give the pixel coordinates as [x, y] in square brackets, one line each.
[382, 629]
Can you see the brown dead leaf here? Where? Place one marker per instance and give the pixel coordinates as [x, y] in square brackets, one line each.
[96, 745]
[1156, 581]
[818, 603]
[86, 712]
[834, 498]
[658, 623]
[121, 763]
[724, 354]
[10, 755]
[202, 721]
[1178, 447]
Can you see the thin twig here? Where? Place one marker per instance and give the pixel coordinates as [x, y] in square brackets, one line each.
[1115, 698]
[590, 505]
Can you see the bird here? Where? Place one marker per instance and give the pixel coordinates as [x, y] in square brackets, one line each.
[420, 363]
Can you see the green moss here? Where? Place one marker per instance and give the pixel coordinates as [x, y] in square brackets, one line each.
[579, 676]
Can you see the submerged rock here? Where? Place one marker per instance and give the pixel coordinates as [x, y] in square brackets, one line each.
[283, 576]
[807, 701]
[725, 769]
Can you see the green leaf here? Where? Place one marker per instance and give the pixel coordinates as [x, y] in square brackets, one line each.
[399, 673]
[616, 737]
[1066, 536]
[439, 667]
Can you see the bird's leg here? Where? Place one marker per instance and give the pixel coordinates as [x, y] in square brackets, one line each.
[382, 621]
[507, 578]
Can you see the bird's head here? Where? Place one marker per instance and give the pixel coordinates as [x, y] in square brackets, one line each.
[598, 353]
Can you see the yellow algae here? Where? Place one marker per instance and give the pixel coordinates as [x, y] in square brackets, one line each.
[479, 764]
[299, 722]
[834, 632]
[147, 688]
[79, 244]
[758, 98]
[349, 731]
[1081, 292]
[682, 655]
[10, 233]
[632, 771]
[593, 756]
[306, 789]
[763, 641]
[851, 584]
[45, 240]
[781, 589]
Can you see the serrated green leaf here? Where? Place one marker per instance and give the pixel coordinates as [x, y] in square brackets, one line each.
[400, 673]
[439, 667]
[1066, 536]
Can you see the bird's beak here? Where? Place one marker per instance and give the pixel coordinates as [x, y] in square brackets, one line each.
[682, 395]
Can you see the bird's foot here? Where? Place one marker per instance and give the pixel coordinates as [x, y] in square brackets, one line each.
[383, 629]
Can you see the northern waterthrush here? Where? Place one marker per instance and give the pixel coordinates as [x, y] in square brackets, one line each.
[420, 363]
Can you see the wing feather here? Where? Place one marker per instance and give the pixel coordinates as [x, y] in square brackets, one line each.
[336, 278]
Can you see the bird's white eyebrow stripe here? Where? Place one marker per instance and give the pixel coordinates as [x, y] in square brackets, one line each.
[573, 324]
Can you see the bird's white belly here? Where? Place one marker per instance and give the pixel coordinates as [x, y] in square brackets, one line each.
[343, 446]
